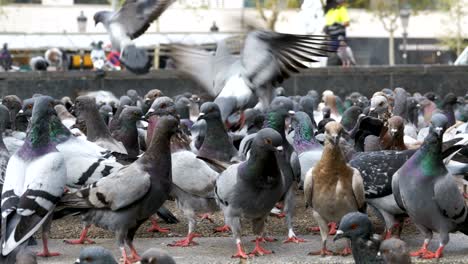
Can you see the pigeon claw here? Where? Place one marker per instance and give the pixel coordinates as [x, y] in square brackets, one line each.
[420, 252]
[465, 195]
[346, 252]
[187, 242]
[323, 252]
[265, 239]
[207, 217]
[156, 228]
[240, 253]
[79, 241]
[294, 239]
[222, 229]
[258, 250]
[433, 255]
[47, 254]
[331, 226]
[280, 215]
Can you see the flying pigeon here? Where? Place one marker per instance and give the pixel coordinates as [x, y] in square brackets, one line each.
[427, 190]
[121, 202]
[252, 188]
[34, 182]
[267, 59]
[95, 255]
[333, 188]
[156, 256]
[128, 23]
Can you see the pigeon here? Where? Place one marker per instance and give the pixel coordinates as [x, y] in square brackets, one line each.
[95, 255]
[395, 251]
[128, 23]
[106, 113]
[97, 130]
[128, 132]
[367, 247]
[34, 182]
[267, 58]
[428, 192]
[156, 256]
[252, 188]
[114, 123]
[308, 149]
[216, 145]
[358, 229]
[308, 105]
[345, 53]
[380, 107]
[450, 100]
[14, 105]
[350, 117]
[149, 98]
[121, 202]
[393, 140]
[193, 190]
[333, 188]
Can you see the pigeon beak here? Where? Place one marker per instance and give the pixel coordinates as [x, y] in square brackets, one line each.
[439, 131]
[291, 112]
[20, 111]
[201, 116]
[393, 131]
[77, 261]
[149, 113]
[339, 235]
[279, 148]
[110, 114]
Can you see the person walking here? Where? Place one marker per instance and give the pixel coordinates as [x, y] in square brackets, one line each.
[5, 58]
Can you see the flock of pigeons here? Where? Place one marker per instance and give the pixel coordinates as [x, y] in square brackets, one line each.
[115, 161]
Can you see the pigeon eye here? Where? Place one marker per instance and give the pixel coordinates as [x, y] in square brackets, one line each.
[354, 226]
[268, 141]
[30, 106]
[163, 105]
[88, 259]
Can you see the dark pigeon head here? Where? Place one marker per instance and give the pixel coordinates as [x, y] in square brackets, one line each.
[439, 123]
[13, 103]
[308, 104]
[450, 99]
[350, 117]
[209, 111]
[95, 255]
[67, 102]
[131, 114]
[326, 112]
[84, 104]
[280, 91]
[162, 106]
[125, 100]
[269, 140]
[106, 112]
[301, 120]
[254, 120]
[167, 125]
[43, 108]
[396, 126]
[183, 107]
[354, 225]
[102, 17]
[27, 107]
[156, 256]
[431, 96]
[282, 104]
[133, 95]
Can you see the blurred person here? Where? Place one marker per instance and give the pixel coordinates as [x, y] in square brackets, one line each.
[336, 22]
[98, 56]
[5, 58]
[113, 58]
[38, 63]
[54, 58]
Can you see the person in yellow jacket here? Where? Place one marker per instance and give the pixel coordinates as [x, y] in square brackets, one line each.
[336, 22]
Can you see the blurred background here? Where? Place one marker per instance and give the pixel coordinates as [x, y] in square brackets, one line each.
[379, 32]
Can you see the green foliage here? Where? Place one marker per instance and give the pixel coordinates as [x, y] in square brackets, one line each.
[416, 5]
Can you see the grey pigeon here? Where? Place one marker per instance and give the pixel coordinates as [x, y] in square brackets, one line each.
[34, 182]
[14, 105]
[345, 53]
[127, 133]
[106, 113]
[193, 190]
[217, 144]
[121, 202]
[97, 130]
[26, 256]
[267, 58]
[428, 192]
[252, 188]
[395, 251]
[95, 255]
[114, 123]
[156, 256]
[128, 23]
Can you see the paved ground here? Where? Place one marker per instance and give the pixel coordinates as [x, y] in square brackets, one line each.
[219, 250]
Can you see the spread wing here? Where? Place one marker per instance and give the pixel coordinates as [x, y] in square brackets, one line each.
[271, 57]
[136, 15]
[208, 69]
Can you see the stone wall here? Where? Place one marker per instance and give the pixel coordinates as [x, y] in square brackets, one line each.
[367, 80]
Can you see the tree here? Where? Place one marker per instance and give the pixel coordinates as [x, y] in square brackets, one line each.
[456, 11]
[388, 13]
[275, 7]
